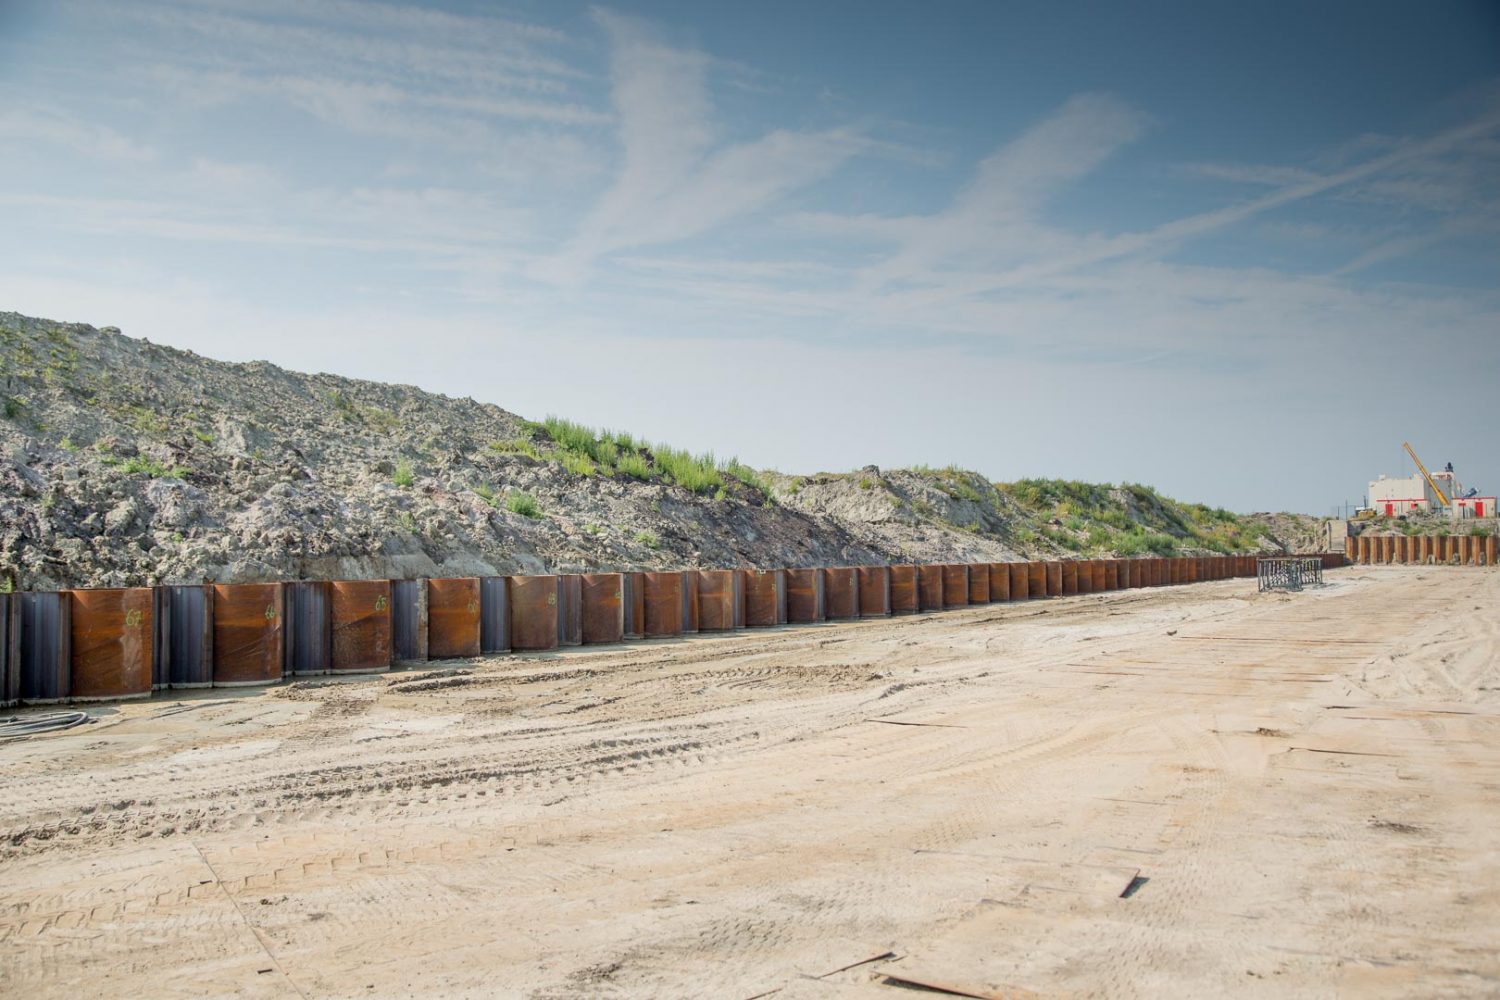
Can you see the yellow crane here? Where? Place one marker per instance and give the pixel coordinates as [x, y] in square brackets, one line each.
[1435, 487]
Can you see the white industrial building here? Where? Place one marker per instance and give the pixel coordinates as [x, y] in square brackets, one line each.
[1392, 497]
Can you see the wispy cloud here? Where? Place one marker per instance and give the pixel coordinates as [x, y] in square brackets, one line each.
[673, 183]
[993, 216]
[377, 69]
[73, 133]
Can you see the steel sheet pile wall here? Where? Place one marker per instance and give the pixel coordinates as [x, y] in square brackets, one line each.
[10, 654]
[840, 593]
[307, 634]
[112, 633]
[905, 590]
[248, 638]
[765, 597]
[452, 618]
[185, 636]
[494, 614]
[804, 595]
[1419, 550]
[44, 621]
[930, 588]
[409, 621]
[955, 585]
[874, 591]
[663, 605]
[534, 612]
[360, 612]
[603, 607]
[109, 644]
[718, 594]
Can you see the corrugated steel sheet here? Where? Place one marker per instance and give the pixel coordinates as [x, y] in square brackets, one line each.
[874, 591]
[804, 595]
[494, 614]
[570, 610]
[247, 634]
[409, 621]
[635, 605]
[930, 588]
[534, 612]
[307, 632]
[603, 607]
[10, 653]
[1054, 578]
[360, 613]
[765, 597]
[999, 574]
[46, 646]
[717, 596]
[955, 585]
[1020, 582]
[689, 601]
[113, 631]
[453, 618]
[663, 597]
[184, 652]
[1069, 577]
[905, 590]
[840, 593]
[979, 583]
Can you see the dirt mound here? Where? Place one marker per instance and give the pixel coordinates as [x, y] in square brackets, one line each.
[125, 463]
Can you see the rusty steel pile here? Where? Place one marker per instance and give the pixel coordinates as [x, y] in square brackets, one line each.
[1421, 550]
[91, 645]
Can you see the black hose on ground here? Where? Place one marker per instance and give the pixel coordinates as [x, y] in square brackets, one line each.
[17, 727]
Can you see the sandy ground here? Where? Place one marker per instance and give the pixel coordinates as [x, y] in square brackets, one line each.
[1183, 792]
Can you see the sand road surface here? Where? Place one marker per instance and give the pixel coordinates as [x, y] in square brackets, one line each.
[1191, 791]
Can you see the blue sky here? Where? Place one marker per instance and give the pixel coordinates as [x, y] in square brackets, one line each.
[1238, 251]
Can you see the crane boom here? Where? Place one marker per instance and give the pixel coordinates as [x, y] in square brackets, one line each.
[1435, 487]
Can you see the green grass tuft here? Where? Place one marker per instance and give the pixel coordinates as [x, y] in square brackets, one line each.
[522, 503]
[634, 466]
[140, 465]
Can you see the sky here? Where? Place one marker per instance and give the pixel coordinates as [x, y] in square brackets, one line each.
[1239, 252]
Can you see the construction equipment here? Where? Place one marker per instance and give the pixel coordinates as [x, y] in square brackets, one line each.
[1443, 497]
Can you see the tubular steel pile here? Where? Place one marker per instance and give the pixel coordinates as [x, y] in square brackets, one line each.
[1288, 573]
[84, 645]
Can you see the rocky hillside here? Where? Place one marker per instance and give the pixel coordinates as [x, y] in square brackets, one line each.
[125, 463]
